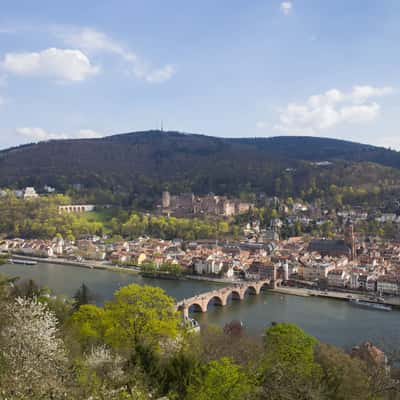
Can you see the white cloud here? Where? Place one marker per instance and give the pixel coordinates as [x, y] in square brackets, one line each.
[286, 7]
[390, 140]
[360, 113]
[88, 134]
[93, 41]
[39, 134]
[329, 109]
[154, 75]
[59, 64]
[360, 94]
[89, 40]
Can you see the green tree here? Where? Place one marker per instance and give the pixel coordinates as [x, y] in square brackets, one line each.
[343, 377]
[137, 314]
[178, 372]
[82, 296]
[28, 289]
[288, 367]
[140, 314]
[221, 380]
[87, 325]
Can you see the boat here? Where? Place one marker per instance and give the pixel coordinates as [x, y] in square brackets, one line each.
[368, 304]
[161, 275]
[23, 262]
[191, 324]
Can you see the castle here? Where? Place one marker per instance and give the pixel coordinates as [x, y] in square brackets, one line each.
[187, 204]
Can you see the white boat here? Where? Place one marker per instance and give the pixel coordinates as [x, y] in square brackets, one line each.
[191, 324]
[23, 262]
[368, 304]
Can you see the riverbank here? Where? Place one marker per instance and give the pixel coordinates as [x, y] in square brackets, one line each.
[81, 264]
[222, 281]
[291, 291]
[391, 301]
[129, 270]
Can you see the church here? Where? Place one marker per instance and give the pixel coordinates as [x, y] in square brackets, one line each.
[337, 248]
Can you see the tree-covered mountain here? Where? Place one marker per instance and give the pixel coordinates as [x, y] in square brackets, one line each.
[148, 162]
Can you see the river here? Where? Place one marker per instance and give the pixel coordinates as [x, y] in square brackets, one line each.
[331, 321]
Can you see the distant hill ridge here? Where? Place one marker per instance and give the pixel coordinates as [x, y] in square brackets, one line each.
[152, 160]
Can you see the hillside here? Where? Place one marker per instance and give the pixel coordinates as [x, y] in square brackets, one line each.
[147, 162]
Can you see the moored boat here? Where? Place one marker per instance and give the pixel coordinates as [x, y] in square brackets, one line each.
[368, 304]
[23, 262]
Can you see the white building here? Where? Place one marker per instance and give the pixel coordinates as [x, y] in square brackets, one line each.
[79, 208]
[388, 284]
[30, 193]
[58, 245]
[49, 189]
[338, 278]
[317, 270]
[355, 282]
[212, 265]
[388, 218]
[200, 266]
[229, 272]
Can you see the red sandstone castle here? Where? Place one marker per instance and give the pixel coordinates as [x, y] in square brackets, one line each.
[187, 204]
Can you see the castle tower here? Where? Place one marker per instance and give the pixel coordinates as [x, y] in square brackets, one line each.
[350, 239]
[166, 199]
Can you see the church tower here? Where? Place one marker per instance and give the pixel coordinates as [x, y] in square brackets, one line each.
[350, 239]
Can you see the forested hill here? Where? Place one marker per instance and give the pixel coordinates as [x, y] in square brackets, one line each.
[149, 161]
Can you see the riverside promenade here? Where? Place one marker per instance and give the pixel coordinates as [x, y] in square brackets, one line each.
[82, 264]
[104, 265]
[336, 295]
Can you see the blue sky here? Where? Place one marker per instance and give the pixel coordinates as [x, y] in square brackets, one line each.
[224, 68]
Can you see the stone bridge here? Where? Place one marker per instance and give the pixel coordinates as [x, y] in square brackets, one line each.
[221, 296]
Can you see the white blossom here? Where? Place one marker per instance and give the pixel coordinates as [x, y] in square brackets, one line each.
[34, 356]
[106, 364]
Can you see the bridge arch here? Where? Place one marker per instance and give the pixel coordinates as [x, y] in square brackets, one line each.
[264, 286]
[236, 295]
[196, 307]
[216, 301]
[233, 295]
[252, 290]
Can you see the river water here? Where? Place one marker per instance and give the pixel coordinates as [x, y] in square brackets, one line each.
[332, 321]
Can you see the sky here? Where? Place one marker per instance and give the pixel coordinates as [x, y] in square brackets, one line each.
[237, 68]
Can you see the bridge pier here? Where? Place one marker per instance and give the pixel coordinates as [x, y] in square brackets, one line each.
[185, 312]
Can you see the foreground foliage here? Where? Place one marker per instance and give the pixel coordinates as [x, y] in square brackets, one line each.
[135, 348]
